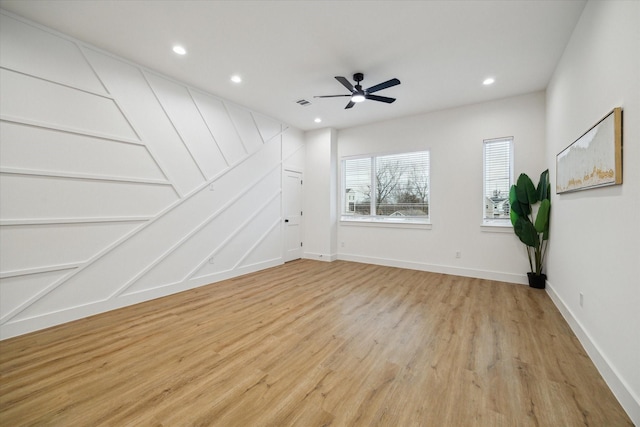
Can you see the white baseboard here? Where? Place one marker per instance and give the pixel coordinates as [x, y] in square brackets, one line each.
[435, 268]
[629, 402]
[320, 257]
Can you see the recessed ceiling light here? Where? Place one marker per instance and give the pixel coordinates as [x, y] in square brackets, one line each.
[236, 78]
[488, 81]
[317, 120]
[179, 50]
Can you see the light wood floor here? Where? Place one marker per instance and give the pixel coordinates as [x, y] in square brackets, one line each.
[313, 344]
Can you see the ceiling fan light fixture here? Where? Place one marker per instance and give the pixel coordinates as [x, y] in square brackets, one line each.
[358, 97]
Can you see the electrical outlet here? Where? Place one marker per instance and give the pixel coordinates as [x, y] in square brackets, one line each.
[458, 254]
[342, 244]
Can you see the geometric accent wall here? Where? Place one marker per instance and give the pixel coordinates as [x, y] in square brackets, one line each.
[119, 185]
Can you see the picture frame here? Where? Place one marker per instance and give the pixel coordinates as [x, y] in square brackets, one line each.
[593, 160]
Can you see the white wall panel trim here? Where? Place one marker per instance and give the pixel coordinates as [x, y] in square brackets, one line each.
[90, 92]
[189, 90]
[124, 238]
[193, 273]
[44, 269]
[258, 241]
[79, 267]
[186, 146]
[77, 220]
[235, 126]
[186, 238]
[11, 314]
[264, 141]
[53, 152]
[81, 176]
[35, 123]
[277, 135]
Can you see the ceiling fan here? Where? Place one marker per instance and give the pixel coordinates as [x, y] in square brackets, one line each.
[358, 94]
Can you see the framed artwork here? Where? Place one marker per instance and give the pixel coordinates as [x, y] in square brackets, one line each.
[594, 159]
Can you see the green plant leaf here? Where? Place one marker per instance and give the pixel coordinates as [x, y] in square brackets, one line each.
[515, 210]
[542, 218]
[526, 192]
[514, 216]
[544, 188]
[526, 232]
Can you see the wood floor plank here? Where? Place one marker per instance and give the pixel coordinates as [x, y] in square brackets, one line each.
[313, 344]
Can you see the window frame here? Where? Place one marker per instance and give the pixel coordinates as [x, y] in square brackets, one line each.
[374, 219]
[496, 222]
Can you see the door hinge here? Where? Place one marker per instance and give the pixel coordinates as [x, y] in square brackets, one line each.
[300, 182]
[300, 213]
[300, 244]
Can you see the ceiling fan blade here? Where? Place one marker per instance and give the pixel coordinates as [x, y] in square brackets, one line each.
[380, 98]
[350, 104]
[383, 85]
[345, 83]
[330, 96]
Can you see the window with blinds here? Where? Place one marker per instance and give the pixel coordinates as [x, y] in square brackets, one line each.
[498, 177]
[387, 188]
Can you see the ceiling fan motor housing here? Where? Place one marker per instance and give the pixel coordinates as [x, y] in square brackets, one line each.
[358, 77]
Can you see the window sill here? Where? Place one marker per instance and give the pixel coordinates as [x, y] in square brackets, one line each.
[496, 226]
[423, 224]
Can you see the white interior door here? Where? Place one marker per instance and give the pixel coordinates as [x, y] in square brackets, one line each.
[292, 187]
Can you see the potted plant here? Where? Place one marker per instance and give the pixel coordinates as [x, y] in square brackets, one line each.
[531, 221]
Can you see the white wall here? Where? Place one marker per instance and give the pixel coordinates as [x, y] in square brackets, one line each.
[595, 233]
[320, 195]
[454, 138]
[118, 185]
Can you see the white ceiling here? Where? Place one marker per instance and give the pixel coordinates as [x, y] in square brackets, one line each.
[289, 50]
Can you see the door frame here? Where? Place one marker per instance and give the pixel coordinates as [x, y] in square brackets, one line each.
[285, 170]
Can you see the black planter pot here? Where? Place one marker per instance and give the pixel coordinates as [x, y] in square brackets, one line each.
[536, 281]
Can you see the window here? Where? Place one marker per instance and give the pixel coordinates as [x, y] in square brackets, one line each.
[498, 177]
[390, 188]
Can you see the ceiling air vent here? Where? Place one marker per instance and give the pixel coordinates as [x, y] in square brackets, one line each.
[303, 102]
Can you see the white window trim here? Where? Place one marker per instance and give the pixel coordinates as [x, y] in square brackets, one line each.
[374, 220]
[496, 224]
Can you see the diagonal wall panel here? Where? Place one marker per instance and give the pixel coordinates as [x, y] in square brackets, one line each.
[269, 247]
[246, 127]
[120, 186]
[268, 127]
[36, 148]
[222, 128]
[241, 242]
[30, 50]
[220, 227]
[128, 85]
[36, 100]
[56, 244]
[14, 291]
[114, 270]
[179, 106]
[42, 197]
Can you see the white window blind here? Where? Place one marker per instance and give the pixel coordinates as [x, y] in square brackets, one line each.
[498, 177]
[387, 188]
